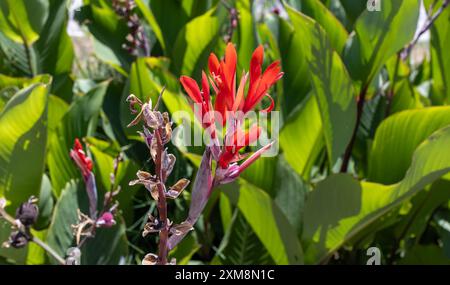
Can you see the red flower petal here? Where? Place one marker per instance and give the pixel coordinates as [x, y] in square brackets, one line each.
[205, 87]
[256, 63]
[191, 88]
[213, 64]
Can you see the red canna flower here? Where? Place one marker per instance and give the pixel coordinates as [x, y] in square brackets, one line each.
[83, 162]
[85, 165]
[228, 100]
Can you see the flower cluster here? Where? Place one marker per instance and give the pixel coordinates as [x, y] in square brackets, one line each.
[231, 105]
[105, 219]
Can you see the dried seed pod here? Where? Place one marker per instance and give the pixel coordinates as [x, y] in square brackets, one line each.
[17, 239]
[150, 259]
[181, 229]
[176, 189]
[153, 226]
[27, 213]
[153, 119]
[168, 162]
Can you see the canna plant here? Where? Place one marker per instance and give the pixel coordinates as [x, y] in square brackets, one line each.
[230, 106]
[357, 96]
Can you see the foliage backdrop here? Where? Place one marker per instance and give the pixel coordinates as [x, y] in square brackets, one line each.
[364, 139]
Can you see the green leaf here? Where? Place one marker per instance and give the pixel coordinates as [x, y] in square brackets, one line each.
[57, 109]
[335, 95]
[36, 255]
[22, 22]
[425, 255]
[245, 34]
[301, 151]
[60, 237]
[9, 86]
[192, 48]
[185, 250]
[268, 223]
[296, 85]
[353, 209]
[45, 204]
[397, 138]
[336, 31]
[54, 49]
[23, 136]
[353, 8]
[78, 122]
[440, 60]
[378, 36]
[424, 204]
[241, 246]
[150, 18]
[109, 32]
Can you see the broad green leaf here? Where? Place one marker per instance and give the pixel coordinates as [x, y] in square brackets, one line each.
[241, 246]
[23, 136]
[424, 204]
[397, 138]
[79, 122]
[268, 223]
[442, 220]
[109, 33]
[36, 255]
[181, 12]
[245, 34]
[185, 250]
[353, 8]
[296, 85]
[13, 58]
[290, 194]
[335, 95]
[9, 86]
[331, 84]
[22, 20]
[336, 31]
[301, 138]
[150, 18]
[425, 255]
[45, 204]
[353, 208]
[440, 60]
[192, 47]
[405, 98]
[57, 108]
[306, 28]
[379, 35]
[54, 49]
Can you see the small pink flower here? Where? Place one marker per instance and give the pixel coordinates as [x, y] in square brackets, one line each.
[106, 220]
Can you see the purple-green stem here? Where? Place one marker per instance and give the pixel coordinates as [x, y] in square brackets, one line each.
[162, 203]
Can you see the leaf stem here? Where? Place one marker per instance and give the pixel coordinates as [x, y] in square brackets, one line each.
[162, 203]
[407, 51]
[390, 94]
[360, 108]
[49, 250]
